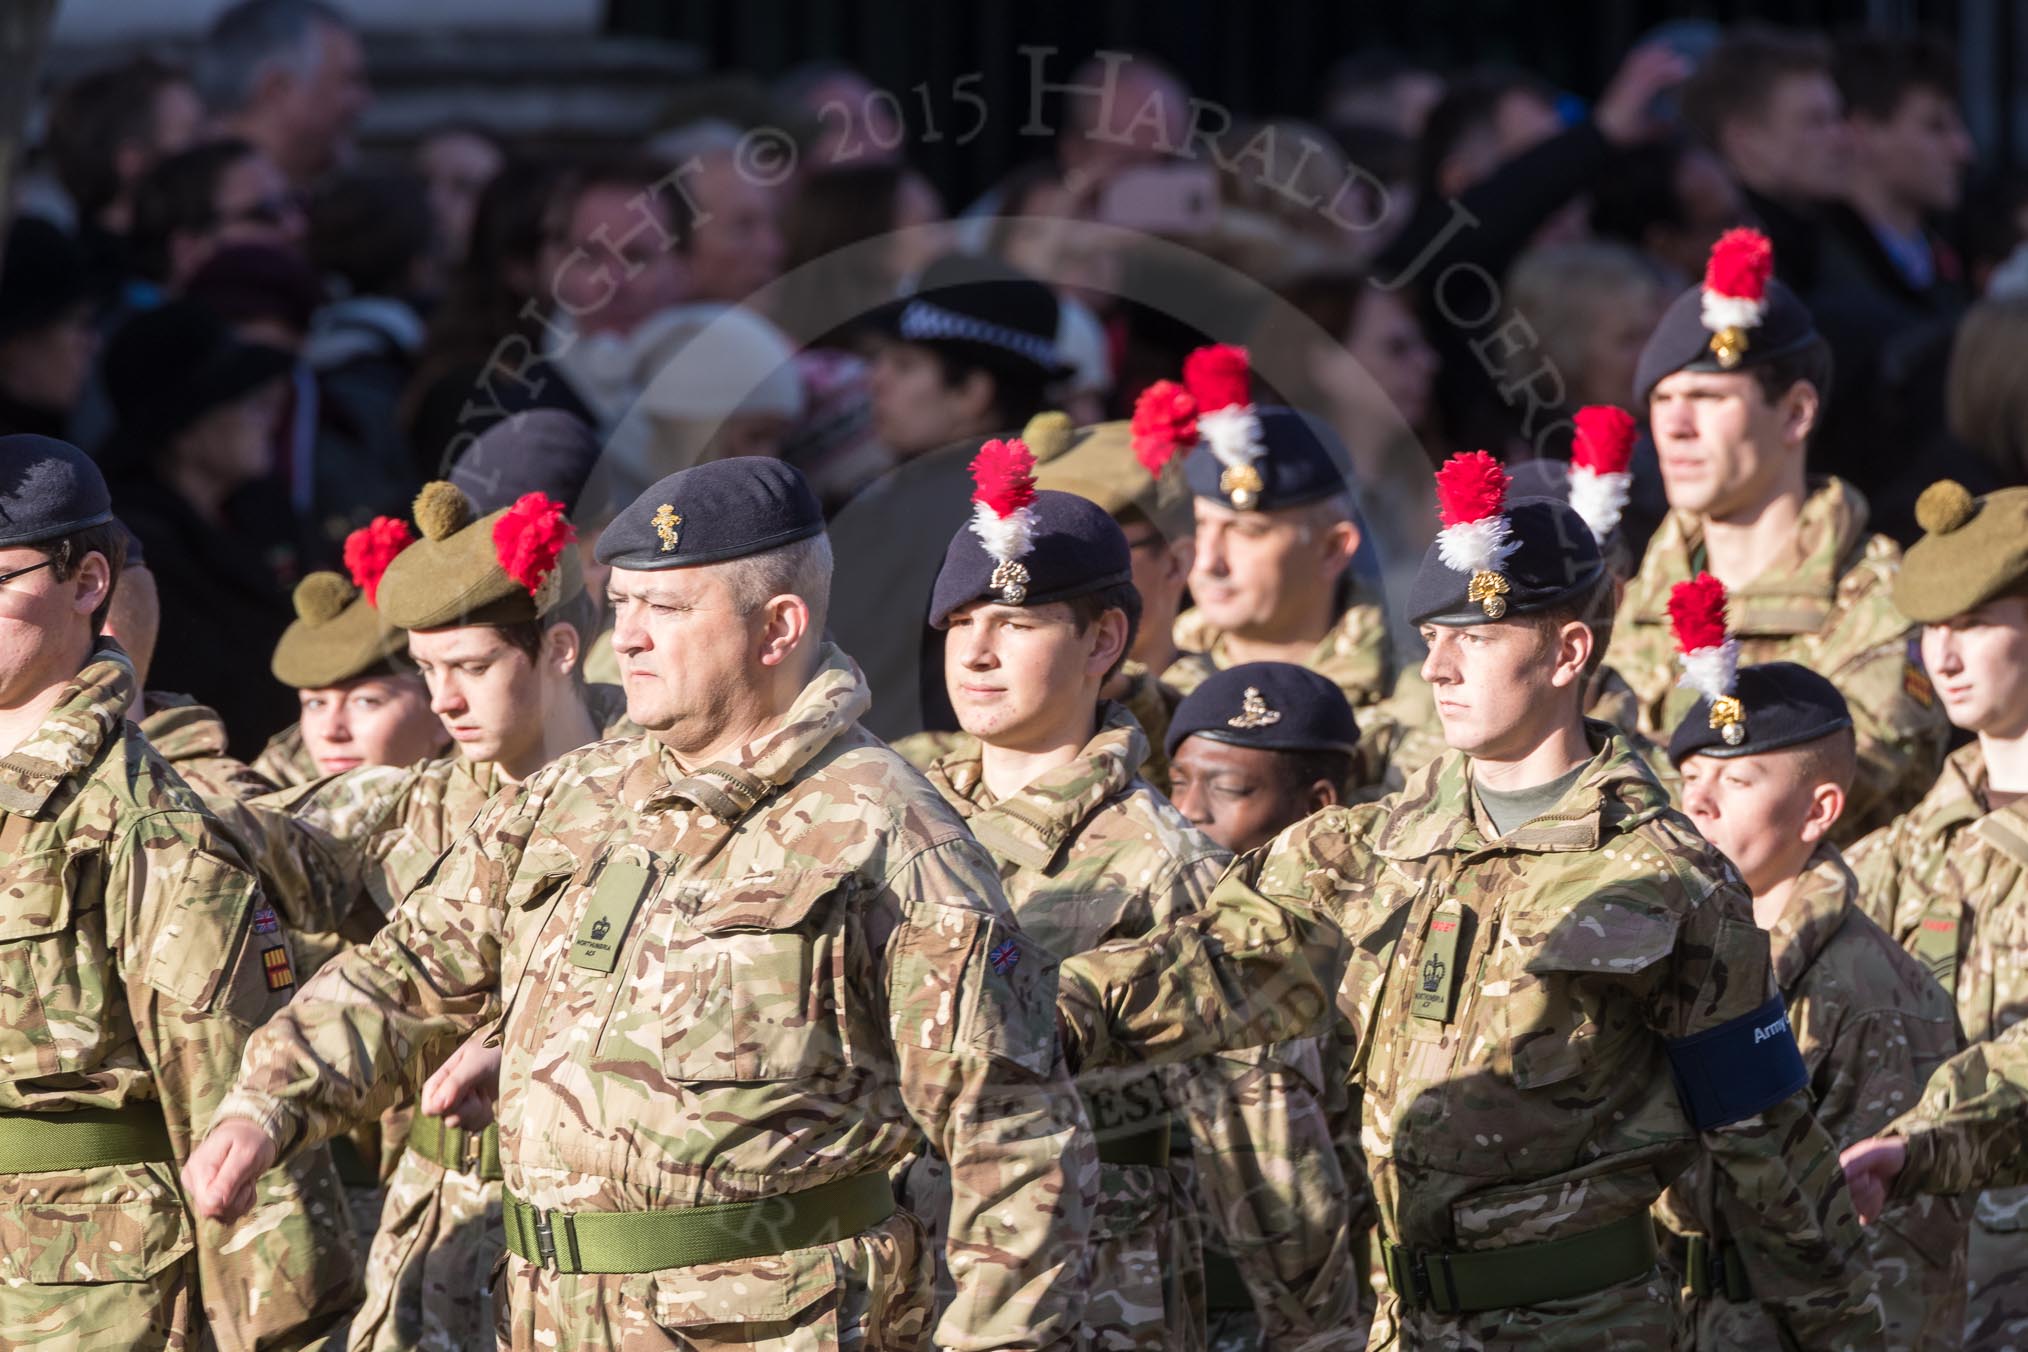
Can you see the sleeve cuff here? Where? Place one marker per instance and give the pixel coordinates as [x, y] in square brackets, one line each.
[1918, 1167]
[281, 1123]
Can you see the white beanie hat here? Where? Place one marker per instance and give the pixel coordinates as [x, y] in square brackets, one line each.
[702, 363]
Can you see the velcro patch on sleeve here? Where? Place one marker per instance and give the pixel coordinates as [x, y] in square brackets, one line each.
[1742, 1067]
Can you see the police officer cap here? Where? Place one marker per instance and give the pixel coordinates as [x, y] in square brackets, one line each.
[719, 510]
[539, 450]
[48, 489]
[1298, 462]
[1782, 704]
[1271, 706]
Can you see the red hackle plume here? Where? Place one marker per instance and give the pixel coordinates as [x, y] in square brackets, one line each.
[529, 537]
[371, 548]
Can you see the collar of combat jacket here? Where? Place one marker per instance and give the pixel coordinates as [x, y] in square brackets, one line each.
[1352, 653]
[88, 712]
[1031, 827]
[180, 728]
[1817, 909]
[1794, 594]
[1433, 813]
[728, 789]
[1958, 800]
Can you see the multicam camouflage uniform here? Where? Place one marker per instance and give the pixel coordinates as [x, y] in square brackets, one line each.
[1949, 882]
[811, 965]
[285, 761]
[1827, 606]
[1539, 1105]
[1971, 1128]
[136, 955]
[435, 1233]
[1872, 1025]
[1354, 654]
[1088, 854]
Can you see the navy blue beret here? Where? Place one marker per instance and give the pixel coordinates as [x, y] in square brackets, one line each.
[1682, 343]
[1784, 705]
[1075, 549]
[1555, 561]
[1301, 463]
[48, 488]
[721, 509]
[539, 450]
[1272, 706]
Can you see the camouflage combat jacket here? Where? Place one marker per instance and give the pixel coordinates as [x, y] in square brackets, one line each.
[1872, 1025]
[1829, 607]
[1354, 654]
[1090, 854]
[137, 953]
[817, 964]
[1970, 1129]
[285, 761]
[1532, 1098]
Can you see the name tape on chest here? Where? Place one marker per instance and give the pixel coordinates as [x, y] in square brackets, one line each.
[604, 927]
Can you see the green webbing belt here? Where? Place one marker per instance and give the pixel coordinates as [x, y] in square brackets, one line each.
[1149, 1146]
[1718, 1270]
[649, 1241]
[461, 1152]
[1224, 1289]
[1522, 1274]
[83, 1138]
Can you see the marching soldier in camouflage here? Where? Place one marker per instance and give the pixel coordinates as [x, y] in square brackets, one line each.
[1809, 584]
[1039, 607]
[502, 657]
[1556, 994]
[1970, 1131]
[138, 954]
[1255, 749]
[1276, 534]
[1949, 879]
[728, 973]
[1871, 1022]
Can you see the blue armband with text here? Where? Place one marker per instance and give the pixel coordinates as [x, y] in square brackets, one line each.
[1742, 1067]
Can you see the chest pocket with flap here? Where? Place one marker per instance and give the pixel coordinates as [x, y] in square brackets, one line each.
[1564, 995]
[754, 979]
[52, 979]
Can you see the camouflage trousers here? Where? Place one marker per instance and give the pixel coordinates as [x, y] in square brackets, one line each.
[1634, 1316]
[1996, 1306]
[429, 1275]
[104, 1258]
[870, 1293]
[1144, 1266]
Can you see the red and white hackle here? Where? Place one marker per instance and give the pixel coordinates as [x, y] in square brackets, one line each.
[1600, 455]
[1472, 501]
[1003, 513]
[1710, 654]
[1220, 381]
[1735, 291]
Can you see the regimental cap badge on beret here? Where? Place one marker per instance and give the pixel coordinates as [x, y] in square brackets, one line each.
[1471, 501]
[1601, 454]
[1219, 381]
[1710, 654]
[668, 524]
[1735, 292]
[1253, 711]
[1003, 515]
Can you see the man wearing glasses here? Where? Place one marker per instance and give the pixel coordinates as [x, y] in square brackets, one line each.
[137, 953]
